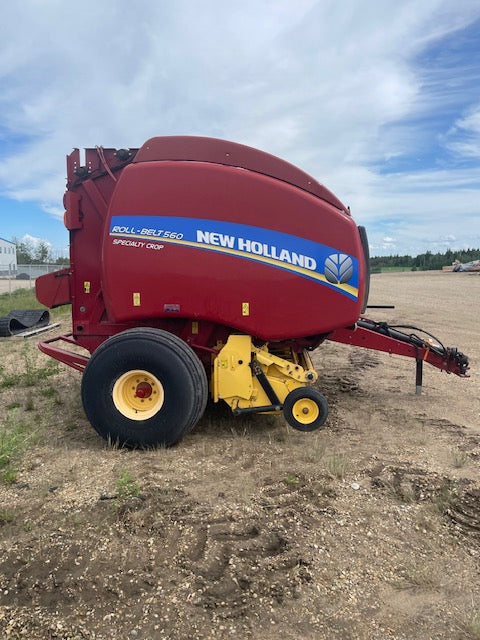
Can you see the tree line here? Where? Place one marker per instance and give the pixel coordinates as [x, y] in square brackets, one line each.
[38, 253]
[425, 261]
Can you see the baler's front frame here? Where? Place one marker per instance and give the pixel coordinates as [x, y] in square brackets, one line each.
[71, 359]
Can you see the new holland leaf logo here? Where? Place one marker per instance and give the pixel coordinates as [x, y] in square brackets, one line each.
[338, 268]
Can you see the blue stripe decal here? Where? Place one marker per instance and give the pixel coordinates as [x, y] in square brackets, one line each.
[306, 258]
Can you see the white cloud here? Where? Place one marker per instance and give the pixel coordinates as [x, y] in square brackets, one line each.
[34, 241]
[471, 122]
[56, 212]
[464, 137]
[330, 87]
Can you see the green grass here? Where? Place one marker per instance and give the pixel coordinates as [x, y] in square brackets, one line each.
[15, 436]
[459, 458]
[291, 479]
[393, 269]
[389, 269]
[25, 299]
[32, 372]
[18, 299]
[23, 417]
[127, 489]
[336, 465]
[6, 516]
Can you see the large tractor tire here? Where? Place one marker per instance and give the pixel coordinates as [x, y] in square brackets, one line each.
[144, 387]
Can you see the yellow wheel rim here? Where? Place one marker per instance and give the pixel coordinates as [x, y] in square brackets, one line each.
[305, 411]
[138, 394]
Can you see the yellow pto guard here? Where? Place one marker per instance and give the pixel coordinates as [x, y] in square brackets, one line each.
[251, 379]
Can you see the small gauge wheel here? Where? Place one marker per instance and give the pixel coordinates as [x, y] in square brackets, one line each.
[305, 409]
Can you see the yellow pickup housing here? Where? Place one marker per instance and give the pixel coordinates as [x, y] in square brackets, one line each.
[234, 381]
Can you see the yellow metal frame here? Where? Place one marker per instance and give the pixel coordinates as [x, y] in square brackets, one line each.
[234, 382]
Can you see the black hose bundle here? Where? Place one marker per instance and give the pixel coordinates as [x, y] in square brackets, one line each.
[413, 339]
[431, 343]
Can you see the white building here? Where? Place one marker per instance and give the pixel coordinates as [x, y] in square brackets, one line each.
[8, 256]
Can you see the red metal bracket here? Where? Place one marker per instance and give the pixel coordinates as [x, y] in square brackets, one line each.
[74, 360]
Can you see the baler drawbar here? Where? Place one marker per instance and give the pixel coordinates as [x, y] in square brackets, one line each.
[384, 337]
[203, 267]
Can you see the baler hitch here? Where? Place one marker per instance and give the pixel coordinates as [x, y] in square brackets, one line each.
[384, 337]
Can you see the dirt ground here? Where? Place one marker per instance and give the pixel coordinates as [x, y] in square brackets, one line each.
[367, 529]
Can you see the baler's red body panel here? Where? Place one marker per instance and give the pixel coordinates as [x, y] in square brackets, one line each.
[195, 229]
[232, 154]
[242, 219]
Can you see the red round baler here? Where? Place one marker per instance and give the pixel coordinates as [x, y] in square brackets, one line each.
[203, 266]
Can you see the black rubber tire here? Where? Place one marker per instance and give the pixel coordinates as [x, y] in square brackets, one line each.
[309, 393]
[176, 366]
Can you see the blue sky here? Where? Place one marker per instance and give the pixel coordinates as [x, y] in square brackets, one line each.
[379, 100]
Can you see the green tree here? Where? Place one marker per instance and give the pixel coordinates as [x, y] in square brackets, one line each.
[27, 253]
[42, 253]
[24, 251]
[425, 261]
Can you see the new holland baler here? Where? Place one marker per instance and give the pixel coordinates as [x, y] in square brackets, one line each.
[200, 266]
